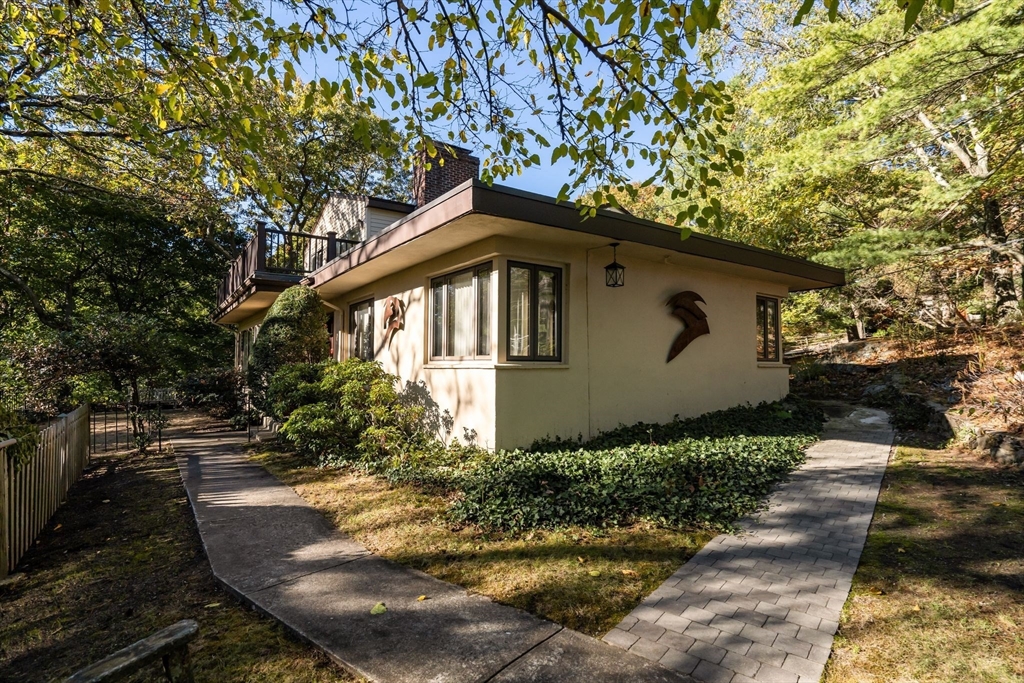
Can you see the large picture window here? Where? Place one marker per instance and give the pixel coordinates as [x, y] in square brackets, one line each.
[534, 312]
[768, 329]
[360, 325]
[460, 314]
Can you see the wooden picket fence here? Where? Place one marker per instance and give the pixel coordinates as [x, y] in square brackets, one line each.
[30, 494]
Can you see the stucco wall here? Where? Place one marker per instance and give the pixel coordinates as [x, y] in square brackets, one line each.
[614, 368]
[614, 345]
[632, 330]
[465, 389]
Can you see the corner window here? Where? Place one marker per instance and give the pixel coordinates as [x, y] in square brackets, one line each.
[768, 329]
[534, 312]
[460, 311]
[360, 325]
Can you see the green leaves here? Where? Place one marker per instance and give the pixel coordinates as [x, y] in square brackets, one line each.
[706, 471]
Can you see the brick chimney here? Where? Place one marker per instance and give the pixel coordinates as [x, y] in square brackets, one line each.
[459, 166]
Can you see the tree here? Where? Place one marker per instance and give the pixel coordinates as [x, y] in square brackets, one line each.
[894, 154]
[177, 80]
[322, 153]
[293, 331]
[97, 286]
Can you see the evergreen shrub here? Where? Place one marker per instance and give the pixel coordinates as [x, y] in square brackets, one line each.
[293, 331]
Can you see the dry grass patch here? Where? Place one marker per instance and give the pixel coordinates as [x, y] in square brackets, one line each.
[938, 594]
[122, 559]
[582, 578]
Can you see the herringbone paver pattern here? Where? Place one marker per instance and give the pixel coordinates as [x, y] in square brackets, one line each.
[763, 605]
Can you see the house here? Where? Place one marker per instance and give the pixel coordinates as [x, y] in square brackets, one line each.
[523, 319]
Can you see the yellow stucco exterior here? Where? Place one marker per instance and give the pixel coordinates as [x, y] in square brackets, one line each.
[614, 340]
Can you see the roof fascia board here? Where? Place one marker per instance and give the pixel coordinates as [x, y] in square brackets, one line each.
[515, 204]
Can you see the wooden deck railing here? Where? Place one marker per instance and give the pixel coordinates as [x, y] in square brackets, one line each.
[31, 493]
[282, 252]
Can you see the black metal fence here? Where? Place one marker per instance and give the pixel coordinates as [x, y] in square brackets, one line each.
[117, 428]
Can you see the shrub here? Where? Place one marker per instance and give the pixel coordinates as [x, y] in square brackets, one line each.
[706, 481]
[293, 386]
[14, 425]
[360, 418]
[218, 392]
[294, 331]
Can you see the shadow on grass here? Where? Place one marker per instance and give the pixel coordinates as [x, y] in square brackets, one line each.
[938, 594]
[120, 560]
[952, 518]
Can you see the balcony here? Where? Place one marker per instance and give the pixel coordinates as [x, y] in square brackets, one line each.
[272, 261]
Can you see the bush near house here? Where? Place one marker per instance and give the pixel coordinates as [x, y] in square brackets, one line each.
[294, 331]
[356, 416]
[707, 471]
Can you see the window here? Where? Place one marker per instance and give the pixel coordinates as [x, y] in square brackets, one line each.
[767, 329]
[461, 314]
[360, 325]
[534, 312]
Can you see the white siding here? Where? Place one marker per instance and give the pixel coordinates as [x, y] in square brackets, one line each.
[377, 220]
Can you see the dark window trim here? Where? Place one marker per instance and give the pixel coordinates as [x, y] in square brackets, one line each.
[762, 355]
[534, 312]
[352, 328]
[475, 270]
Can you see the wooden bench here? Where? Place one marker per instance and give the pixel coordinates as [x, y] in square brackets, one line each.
[169, 644]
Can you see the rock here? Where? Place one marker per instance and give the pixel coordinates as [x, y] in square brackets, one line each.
[875, 389]
[1010, 452]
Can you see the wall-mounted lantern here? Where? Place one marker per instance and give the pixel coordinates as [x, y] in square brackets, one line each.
[614, 272]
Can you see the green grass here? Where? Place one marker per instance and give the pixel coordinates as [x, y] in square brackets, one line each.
[939, 594]
[122, 559]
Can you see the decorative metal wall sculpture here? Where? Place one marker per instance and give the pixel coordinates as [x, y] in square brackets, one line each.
[684, 307]
[394, 318]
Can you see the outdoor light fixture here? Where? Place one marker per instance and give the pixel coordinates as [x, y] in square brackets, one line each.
[614, 272]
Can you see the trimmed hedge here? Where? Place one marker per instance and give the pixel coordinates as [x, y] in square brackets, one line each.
[792, 417]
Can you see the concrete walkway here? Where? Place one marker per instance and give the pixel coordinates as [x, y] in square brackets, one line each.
[764, 605]
[274, 551]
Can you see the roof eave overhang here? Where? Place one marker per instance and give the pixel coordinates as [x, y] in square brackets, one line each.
[527, 206]
[475, 197]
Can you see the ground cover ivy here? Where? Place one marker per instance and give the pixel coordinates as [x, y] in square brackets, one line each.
[704, 471]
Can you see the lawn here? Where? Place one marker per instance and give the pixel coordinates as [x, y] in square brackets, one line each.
[938, 594]
[122, 559]
[582, 578]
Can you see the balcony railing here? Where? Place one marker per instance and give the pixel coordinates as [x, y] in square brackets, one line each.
[279, 252]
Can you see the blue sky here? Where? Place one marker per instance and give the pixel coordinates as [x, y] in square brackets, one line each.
[545, 179]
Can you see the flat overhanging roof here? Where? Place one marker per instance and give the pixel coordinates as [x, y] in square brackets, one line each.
[456, 219]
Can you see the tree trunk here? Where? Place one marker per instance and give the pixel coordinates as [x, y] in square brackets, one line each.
[1000, 293]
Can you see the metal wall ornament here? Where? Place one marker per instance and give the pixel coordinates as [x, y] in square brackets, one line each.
[614, 272]
[394, 318]
[684, 307]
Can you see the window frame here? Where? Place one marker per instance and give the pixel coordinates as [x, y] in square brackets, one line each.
[762, 346]
[352, 328]
[444, 279]
[533, 357]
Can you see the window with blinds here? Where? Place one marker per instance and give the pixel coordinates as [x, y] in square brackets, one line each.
[460, 325]
[360, 325]
[768, 342]
[534, 312]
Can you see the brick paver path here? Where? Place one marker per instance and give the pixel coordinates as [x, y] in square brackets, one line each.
[763, 605]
